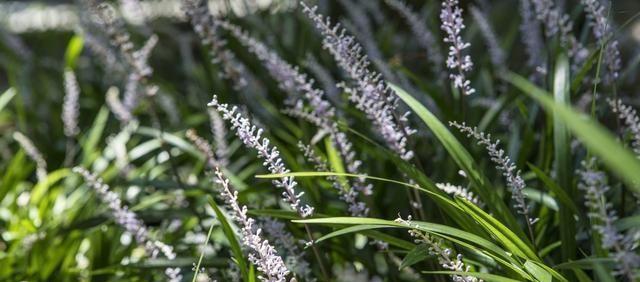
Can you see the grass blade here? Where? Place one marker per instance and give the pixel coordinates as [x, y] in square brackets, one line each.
[594, 136]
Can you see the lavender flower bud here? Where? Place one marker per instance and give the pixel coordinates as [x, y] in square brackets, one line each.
[70, 107]
[631, 120]
[452, 25]
[285, 241]
[203, 146]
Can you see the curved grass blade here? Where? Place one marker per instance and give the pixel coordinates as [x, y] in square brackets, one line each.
[562, 154]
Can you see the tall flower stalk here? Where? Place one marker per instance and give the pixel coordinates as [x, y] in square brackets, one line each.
[262, 254]
[506, 166]
[370, 94]
[130, 221]
[300, 89]
[251, 136]
[446, 256]
[460, 64]
[603, 217]
[70, 107]
[219, 131]
[70, 112]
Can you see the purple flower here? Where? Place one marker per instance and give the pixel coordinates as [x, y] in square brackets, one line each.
[452, 25]
[371, 94]
[251, 136]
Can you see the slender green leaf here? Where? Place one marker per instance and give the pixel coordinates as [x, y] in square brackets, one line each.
[620, 160]
[560, 194]
[418, 254]
[462, 157]
[538, 272]
[233, 241]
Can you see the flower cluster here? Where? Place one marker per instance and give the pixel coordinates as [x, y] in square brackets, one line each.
[371, 94]
[504, 165]
[347, 194]
[496, 54]
[630, 118]
[459, 191]
[446, 256]
[601, 29]
[203, 146]
[33, 153]
[423, 36]
[219, 131]
[284, 240]
[70, 107]
[130, 221]
[263, 255]
[452, 25]
[206, 27]
[251, 136]
[594, 184]
[291, 80]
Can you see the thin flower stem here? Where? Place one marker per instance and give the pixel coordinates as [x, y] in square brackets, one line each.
[206, 242]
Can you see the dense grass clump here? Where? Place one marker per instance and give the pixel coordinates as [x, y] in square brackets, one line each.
[328, 140]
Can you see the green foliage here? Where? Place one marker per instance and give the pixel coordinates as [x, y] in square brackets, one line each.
[549, 118]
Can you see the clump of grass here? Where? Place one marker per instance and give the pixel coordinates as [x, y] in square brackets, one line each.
[116, 165]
